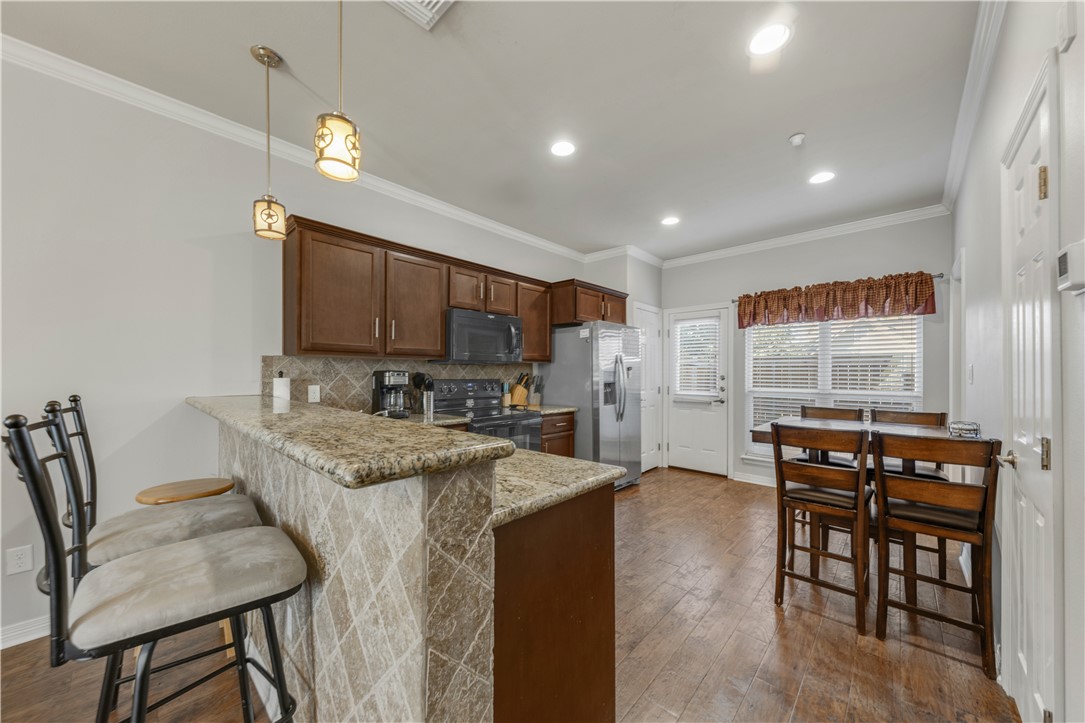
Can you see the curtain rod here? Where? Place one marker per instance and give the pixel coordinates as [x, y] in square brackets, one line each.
[933, 276]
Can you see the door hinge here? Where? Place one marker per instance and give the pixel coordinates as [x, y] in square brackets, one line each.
[1048, 716]
[1043, 182]
[659, 447]
[668, 446]
[1045, 453]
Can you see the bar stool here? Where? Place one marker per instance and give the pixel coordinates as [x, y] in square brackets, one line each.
[140, 529]
[827, 491]
[946, 510]
[156, 593]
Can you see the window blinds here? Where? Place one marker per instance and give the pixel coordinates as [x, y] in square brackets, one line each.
[696, 356]
[860, 363]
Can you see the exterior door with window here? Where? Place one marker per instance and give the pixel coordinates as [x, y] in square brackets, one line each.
[697, 390]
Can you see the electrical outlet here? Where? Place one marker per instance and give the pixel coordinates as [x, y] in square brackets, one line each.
[314, 392]
[20, 559]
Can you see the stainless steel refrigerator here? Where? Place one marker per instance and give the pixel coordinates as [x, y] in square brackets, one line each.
[597, 369]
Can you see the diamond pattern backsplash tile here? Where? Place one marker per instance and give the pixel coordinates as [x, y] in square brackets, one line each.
[346, 382]
[395, 621]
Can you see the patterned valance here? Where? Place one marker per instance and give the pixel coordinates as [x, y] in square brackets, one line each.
[893, 295]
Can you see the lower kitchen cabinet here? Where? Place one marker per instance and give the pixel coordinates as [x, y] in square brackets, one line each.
[558, 434]
[554, 612]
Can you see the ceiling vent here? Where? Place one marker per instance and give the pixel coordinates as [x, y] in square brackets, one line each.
[424, 12]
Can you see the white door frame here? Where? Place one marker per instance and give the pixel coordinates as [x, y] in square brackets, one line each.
[1044, 86]
[725, 308]
[639, 306]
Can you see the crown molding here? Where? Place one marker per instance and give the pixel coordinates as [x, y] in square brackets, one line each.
[633, 251]
[892, 219]
[984, 44]
[68, 70]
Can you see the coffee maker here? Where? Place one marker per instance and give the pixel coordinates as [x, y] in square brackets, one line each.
[391, 394]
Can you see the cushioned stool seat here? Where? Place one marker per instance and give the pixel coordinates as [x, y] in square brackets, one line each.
[148, 527]
[184, 581]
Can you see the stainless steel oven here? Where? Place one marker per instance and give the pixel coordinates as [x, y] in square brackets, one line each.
[475, 337]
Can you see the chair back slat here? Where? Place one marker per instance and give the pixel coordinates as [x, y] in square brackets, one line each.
[820, 475]
[965, 452]
[847, 415]
[73, 484]
[923, 419]
[32, 472]
[824, 440]
[951, 495]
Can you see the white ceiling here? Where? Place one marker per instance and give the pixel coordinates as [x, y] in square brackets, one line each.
[661, 100]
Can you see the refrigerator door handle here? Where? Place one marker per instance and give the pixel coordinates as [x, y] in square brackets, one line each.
[619, 385]
[624, 390]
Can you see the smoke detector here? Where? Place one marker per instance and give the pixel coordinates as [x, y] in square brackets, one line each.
[797, 139]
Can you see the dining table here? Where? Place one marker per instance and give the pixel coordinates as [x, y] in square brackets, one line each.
[762, 433]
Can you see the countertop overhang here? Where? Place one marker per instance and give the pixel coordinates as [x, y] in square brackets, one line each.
[351, 448]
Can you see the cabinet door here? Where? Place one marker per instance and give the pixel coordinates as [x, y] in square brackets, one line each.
[559, 444]
[340, 293]
[500, 295]
[533, 302]
[613, 309]
[466, 288]
[589, 304]
[416, 291]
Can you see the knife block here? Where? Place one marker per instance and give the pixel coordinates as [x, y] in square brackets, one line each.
[518, 395]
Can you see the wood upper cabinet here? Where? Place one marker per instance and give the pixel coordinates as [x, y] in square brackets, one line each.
[533, 302]
[500, 295]
[332, 293]
[466, 288]
[613, 309]
[578, 301]
[416, 296]
[473, 289]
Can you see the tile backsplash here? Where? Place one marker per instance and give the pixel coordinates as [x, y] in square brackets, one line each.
[346, 382]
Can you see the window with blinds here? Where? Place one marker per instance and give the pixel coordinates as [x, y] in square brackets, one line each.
[860, 363]
[696, 356]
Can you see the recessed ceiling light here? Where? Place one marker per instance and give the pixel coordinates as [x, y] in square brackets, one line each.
[769, 39]
[670, 221]
[563, 148]
[822, 177]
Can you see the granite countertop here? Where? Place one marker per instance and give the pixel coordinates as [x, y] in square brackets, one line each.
[351, 448]
[545, 410]
[531, 481]
[439, 420]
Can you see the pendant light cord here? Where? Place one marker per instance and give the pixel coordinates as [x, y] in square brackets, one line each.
[267, 119]
[340, 56]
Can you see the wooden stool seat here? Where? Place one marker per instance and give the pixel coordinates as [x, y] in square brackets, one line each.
[187, 489]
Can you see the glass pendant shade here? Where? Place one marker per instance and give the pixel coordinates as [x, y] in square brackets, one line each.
[338, 147]
[269, 218]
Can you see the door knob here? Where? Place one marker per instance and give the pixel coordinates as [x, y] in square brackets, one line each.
[719, 401]
[1010, 458]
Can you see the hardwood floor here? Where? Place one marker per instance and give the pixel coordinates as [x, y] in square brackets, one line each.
[698, 636]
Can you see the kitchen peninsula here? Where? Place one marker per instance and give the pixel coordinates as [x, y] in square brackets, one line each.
[435, 558]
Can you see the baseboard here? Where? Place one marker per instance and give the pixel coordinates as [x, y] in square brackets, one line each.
[755, 479]
[24, 632]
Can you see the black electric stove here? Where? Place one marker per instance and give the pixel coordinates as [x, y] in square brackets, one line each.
[479, 400]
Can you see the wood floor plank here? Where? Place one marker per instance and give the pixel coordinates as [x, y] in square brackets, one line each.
[719, 695]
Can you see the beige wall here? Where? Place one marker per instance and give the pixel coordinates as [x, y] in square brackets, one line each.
[1027, 35]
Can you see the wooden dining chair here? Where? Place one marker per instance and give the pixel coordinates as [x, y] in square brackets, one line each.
[945, 510]
[832, 413]
[824, 491]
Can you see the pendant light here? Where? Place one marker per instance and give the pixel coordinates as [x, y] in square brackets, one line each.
[268, 215]
[338, 147]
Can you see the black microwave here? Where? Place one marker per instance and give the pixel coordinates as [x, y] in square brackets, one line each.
[475, 337]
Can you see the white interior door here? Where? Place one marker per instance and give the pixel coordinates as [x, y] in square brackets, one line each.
[650, 321]
[1033, 544]
[696, 390]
